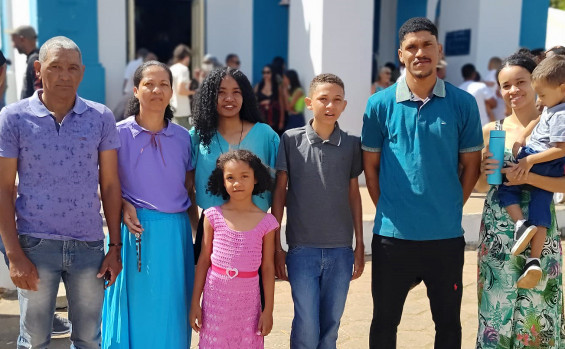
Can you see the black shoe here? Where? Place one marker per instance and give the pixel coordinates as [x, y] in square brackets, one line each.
[61, 326]
[522, 236]
[531, 275]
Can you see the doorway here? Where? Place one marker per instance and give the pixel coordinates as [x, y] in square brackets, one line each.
[160, 26]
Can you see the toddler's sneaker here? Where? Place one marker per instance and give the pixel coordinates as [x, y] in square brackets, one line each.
[523, 233]
[61, 326]
[531, 274]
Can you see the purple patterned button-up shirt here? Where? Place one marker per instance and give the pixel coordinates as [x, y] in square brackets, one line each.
[57, 166]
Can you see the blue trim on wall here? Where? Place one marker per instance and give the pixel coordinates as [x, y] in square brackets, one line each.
[533, 24]
[376, 24]
[6, 45]
[33, 13]
[77, 20]
[376, 30]
[407, 9]
[270, 34]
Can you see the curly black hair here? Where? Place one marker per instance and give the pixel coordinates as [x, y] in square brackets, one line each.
[205, 113]
[261, 173]
[133, 103]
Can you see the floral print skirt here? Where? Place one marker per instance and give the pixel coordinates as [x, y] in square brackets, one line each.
[511, 317]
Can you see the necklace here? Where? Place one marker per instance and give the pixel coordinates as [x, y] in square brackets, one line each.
[229, 145]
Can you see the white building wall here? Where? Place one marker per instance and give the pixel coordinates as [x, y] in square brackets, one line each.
[305, 41]
[495, 31]
[229, 29]
[555, 28]
[112, 52]
[451, 19]
[347, 52]
[497, 36]
[20, 15]
[431, 10]
[305, 38]
[332, 37]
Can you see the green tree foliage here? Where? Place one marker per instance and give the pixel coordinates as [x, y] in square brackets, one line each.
[560, 4]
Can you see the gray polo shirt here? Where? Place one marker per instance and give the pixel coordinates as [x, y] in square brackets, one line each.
[550, 129]
[318, 210]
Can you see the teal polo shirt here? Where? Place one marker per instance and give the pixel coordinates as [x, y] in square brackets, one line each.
[420, 141]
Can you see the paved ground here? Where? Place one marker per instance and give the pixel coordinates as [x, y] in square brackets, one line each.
[416, 329]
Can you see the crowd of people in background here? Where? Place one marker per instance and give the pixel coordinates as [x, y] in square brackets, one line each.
[279, 92]
[178, 142]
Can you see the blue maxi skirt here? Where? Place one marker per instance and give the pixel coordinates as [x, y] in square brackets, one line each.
[149, 309]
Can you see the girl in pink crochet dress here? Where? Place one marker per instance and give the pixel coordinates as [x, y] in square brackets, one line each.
[238, 239]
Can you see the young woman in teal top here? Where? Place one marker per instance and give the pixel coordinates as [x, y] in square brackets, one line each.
[226, 117]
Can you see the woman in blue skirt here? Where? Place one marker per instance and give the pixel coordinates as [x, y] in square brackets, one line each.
[149, 304]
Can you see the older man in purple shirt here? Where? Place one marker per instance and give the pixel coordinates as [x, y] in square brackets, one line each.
[62, 147]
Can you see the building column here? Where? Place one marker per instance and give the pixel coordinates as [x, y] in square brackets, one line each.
[387, 32]
[533, 24]
[270, 34]
[334, 37]
[77, 20]
[229, 29]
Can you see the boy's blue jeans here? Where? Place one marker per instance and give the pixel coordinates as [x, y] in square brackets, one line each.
[540, 200]
[319, 279]
[77, 263]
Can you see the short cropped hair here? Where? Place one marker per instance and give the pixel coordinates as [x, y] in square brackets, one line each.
[58, 42]
[550, 71]
[325, 79]
[230, 56]
[468, 70]
[416, 24]
[181, 52]
[260, 171]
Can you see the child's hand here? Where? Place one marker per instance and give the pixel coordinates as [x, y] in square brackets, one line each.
[265, 324]
[359, 263]
[517, 145]
[511, 176]
[195, 317]
[522, 168]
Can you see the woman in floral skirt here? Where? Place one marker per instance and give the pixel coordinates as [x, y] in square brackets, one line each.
[511, 317]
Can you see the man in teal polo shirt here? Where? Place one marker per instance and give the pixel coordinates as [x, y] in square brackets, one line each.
[421, 143]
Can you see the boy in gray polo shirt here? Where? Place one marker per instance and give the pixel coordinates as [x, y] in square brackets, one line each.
[320, 164]
[543, 154]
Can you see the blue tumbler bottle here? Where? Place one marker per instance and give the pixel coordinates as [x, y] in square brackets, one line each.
[496, 147]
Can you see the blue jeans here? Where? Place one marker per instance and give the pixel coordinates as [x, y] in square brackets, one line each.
[77, 263]
[319, 279]
[540, 200]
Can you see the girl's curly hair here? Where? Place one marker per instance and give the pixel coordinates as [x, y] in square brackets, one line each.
[133, 106]
[261, 173]
[205, 112]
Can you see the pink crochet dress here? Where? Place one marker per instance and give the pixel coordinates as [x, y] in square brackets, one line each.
[231, 307]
